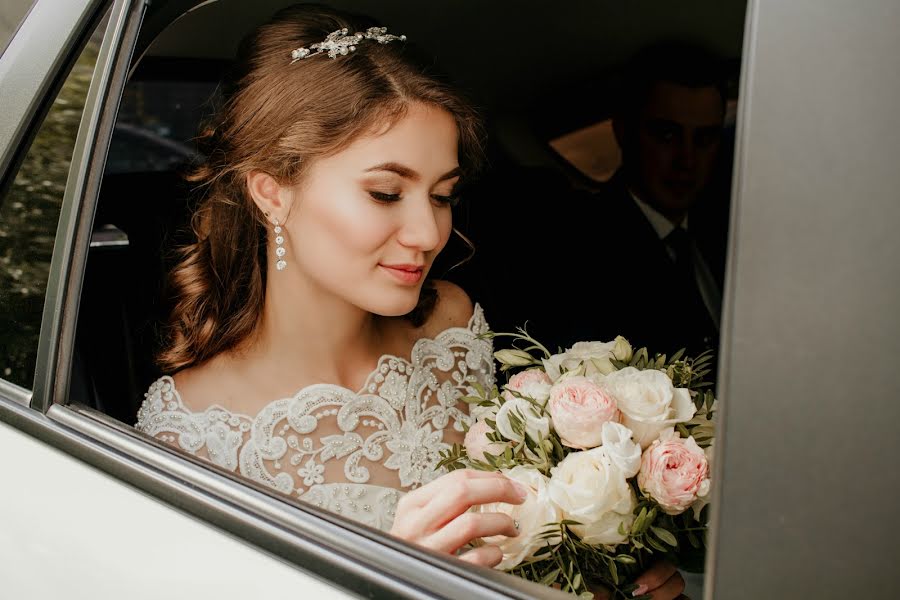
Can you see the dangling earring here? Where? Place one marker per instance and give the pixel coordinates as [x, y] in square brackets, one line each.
[279, 249]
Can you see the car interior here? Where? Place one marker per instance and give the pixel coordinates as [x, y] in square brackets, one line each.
[538, 72]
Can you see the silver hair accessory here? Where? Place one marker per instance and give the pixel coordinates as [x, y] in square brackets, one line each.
[279, 249]
[342, 43]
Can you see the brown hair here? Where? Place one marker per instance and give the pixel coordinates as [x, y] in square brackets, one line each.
[277, 117]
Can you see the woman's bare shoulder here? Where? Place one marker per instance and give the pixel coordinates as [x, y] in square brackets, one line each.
[454, 308]
[207, 384]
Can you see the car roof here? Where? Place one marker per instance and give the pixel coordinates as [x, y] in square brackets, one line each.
[518, 54]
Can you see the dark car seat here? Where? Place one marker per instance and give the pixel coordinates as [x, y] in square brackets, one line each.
[140, 219]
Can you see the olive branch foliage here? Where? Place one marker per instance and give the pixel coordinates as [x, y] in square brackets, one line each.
[567, 562]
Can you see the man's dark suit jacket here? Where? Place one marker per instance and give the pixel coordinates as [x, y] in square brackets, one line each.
[580, 266]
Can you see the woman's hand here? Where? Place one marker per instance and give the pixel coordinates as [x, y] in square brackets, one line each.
[662, 581]
[436, 515]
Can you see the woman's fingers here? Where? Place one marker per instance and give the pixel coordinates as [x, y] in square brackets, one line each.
[426, 493]
[469, 526]
[458, 498]
[671, 589]
[486, 556]
[655, 577]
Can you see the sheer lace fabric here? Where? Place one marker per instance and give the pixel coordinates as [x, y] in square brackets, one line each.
[350, 452]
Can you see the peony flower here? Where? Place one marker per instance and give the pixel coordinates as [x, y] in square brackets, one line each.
[535, 425]
[648, 401]
[477, 443]
[578, 408]
[703, 499]
[532, 515]
[674, 472]
[591, 487]
[533, 383]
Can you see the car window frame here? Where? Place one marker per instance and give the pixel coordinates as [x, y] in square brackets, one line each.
[15, 31]
[347, 555]
[28, 88]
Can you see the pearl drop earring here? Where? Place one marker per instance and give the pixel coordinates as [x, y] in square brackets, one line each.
[279, 249]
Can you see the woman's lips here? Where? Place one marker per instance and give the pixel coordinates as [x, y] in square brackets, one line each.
[406, 274]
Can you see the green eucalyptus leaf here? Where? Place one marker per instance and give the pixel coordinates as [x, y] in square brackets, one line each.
[664, 535]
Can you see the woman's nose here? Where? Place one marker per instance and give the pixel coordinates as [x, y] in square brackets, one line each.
[420, 228]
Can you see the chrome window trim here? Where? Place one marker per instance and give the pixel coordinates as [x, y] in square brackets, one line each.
[14, 393]
[79, 203]
[15, 31]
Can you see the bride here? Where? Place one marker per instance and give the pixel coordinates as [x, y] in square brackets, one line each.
[311, 351]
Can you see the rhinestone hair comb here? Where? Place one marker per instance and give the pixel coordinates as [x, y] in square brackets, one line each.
[342, 43]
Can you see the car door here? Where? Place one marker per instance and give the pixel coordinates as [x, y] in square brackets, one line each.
[809, 448]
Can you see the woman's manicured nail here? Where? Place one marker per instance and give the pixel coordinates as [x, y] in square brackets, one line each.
[641, 590]
[521, 490]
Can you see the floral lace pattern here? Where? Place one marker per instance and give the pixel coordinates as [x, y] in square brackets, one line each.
[345, 451]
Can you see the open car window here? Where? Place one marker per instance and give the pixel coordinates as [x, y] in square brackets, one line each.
[138, 211]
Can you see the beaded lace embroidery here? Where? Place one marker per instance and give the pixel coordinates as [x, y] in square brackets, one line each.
[347, 451]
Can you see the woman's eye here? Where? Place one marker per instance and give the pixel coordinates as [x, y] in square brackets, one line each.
[452, 200]
[384, 197]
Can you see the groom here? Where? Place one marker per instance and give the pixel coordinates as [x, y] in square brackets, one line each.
[645, 256]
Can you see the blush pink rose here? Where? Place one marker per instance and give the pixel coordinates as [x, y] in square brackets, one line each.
[578, 408]
[533, 383]
[674, 471]
[477, 443]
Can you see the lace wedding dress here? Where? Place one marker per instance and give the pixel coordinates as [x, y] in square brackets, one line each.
[353, 453]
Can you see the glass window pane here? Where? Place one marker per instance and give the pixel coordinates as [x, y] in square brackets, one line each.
[29, 214]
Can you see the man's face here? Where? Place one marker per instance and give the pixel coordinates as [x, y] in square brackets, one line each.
[678, 133]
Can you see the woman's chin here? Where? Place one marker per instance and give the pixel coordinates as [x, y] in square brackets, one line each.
[394, 305]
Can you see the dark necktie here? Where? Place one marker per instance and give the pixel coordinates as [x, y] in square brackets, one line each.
[682, 246]
[679, 241]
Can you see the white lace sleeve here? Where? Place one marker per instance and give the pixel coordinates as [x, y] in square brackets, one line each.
[216, 433]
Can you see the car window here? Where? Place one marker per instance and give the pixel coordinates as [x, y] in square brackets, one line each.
[12, 12]
[156, 125]
[29, 213]
[594, 151]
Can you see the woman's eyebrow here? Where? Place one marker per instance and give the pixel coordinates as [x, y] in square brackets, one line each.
[407, 173]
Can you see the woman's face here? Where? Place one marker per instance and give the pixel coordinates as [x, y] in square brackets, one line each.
[367, 223]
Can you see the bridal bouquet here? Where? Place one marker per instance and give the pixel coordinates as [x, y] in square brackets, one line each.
[615, 448]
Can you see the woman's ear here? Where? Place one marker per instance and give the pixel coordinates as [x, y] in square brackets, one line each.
[273, 199]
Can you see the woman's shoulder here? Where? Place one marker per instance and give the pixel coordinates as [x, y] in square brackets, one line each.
[453, 309]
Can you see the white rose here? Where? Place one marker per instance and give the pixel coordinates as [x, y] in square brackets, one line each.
[537, 426]
[592, 488]
[532, 515]
[648, 401]
[591, 357]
